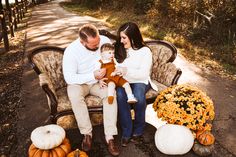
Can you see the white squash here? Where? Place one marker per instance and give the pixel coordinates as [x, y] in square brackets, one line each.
[48, 136]
[174, 139]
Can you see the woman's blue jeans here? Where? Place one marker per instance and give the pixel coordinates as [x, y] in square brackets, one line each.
[128, 127]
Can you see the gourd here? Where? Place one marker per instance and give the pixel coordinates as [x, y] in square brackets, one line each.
[202, 150]
[174, 139]
[205, 137]
[77, 153]
[48, 136]
[59, 151]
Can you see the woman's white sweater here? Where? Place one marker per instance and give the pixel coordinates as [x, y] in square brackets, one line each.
[138, 64]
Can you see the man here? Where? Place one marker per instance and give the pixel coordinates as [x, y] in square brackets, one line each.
[79, 68]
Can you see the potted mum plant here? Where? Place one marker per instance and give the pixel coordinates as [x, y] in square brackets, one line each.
[188, 106]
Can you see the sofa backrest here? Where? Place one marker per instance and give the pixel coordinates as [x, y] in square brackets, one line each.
[48, 60]
[164, 53]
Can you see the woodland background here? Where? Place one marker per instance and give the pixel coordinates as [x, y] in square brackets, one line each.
[200, 27]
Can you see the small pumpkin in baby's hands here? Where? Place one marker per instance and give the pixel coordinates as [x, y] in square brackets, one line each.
[205, 137]
[77, 153]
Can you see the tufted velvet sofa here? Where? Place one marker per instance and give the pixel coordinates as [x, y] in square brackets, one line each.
[47, 63]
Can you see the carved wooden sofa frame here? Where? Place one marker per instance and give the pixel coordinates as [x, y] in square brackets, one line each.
[47, 63]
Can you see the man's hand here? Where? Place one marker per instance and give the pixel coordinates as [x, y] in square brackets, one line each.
[102, 82]
[99, 74]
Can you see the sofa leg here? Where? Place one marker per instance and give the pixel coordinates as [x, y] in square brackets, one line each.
[53, 119]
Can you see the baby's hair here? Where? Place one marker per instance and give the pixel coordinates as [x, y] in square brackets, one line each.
[107, 46]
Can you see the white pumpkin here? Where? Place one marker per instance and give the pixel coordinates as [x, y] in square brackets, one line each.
[48, 136]
[174, 139]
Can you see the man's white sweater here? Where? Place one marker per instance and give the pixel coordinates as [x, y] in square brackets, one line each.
[79, 63]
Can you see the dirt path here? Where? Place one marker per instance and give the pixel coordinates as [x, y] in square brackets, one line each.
[51, 25]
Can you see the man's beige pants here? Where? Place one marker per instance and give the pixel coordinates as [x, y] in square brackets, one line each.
[77, 95]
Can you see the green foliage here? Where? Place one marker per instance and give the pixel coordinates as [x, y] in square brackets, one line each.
[142, 6]
[229, 68]
[93, 4]
[225, 54]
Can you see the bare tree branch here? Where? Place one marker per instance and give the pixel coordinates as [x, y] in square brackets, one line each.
[208, 18]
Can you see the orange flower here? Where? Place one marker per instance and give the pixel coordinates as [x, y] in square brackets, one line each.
[185, 105]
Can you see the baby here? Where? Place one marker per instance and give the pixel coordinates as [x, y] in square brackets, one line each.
[107, 62]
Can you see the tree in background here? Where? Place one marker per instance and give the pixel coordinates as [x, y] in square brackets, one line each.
[213, 22]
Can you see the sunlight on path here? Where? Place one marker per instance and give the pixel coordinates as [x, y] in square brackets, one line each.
[190, 73]
[50, 26]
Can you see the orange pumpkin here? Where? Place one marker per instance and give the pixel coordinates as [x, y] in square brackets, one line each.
[205, 137]
[77, 153]
[59, 151]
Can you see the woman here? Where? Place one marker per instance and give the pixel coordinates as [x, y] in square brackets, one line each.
[134, 64]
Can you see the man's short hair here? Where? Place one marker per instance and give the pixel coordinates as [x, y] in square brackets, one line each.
[88, 30]
[107, 46]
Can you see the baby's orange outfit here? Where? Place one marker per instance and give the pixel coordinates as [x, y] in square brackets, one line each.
[110, 67]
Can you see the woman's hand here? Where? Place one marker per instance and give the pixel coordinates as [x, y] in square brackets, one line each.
[121, 71]
[102, 82]
[99, 74]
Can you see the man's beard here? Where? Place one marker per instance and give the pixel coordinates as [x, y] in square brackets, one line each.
[95, 49]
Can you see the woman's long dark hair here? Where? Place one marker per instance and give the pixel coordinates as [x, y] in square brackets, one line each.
[132, 31]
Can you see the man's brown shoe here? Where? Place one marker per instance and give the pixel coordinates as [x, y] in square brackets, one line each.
[113, 148]
[87, 143]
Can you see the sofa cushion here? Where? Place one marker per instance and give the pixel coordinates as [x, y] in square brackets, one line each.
[68, 121]
[64, 103]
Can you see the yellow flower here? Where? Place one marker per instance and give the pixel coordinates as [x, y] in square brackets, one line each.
[185, 105]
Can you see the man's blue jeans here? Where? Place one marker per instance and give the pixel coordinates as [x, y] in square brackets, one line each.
[128, 127]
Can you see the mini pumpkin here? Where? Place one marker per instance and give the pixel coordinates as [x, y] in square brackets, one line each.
[48, 136]
[77, 153]
[205, 137]
[202, 150]
[59, 151]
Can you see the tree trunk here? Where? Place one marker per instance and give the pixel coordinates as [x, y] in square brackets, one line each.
[4, 28]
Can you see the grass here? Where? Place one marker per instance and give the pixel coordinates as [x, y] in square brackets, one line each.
[195, 51]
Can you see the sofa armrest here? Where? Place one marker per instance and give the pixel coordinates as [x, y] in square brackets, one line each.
[167, 74]
[48, 88]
